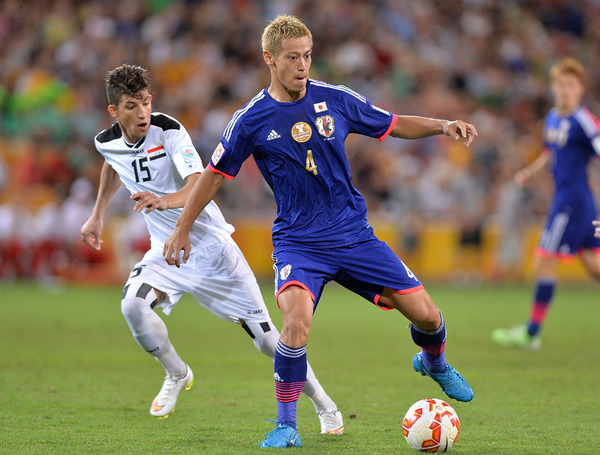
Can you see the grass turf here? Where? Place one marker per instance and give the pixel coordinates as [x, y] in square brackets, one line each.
[74, 381]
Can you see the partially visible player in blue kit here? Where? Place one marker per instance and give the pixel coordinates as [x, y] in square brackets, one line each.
[571, 140]
[296, 129]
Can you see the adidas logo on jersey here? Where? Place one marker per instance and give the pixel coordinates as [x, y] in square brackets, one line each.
[273, 135]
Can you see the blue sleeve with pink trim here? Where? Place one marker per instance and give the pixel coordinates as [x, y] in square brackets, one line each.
[228, 157]
[364, 118]
[591, 126]
[237, 142]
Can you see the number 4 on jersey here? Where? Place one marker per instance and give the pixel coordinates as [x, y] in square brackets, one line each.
[311, 166]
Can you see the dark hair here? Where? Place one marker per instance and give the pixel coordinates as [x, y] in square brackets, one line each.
[126, 80]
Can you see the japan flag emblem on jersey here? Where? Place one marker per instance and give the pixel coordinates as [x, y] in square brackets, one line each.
[320, 107]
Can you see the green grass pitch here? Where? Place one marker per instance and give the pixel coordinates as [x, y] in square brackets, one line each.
[73, 380]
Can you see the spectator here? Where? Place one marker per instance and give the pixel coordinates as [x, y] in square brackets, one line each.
[488, 59]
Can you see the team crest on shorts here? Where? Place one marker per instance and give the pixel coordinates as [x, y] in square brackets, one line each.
[218, 153]
[285, 272]
[325, 125]
[301, 132]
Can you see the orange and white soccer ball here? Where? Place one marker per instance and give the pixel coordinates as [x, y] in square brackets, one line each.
[431, 425]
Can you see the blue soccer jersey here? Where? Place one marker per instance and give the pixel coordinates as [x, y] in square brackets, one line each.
[572, 142]
[299, 149]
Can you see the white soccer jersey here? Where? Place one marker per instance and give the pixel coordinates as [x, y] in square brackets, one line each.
[159, 163]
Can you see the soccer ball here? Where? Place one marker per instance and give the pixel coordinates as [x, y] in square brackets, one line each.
[431, 425]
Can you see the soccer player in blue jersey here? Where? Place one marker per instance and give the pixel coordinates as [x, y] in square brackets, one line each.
[571, 140]
[296, 129]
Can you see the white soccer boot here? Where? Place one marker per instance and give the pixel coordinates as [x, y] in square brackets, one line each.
[165, 401]
[331, 421]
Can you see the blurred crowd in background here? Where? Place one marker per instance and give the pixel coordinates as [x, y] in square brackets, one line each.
[482, 61]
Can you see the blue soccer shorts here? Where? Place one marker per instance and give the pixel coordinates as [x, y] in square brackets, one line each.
[567, 232]
[365, 268]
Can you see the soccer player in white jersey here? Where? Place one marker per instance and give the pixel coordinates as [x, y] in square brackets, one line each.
[296, 131]
[152, 154]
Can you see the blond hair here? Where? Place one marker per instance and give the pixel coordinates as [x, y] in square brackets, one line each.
[280, 28]
[568, 65]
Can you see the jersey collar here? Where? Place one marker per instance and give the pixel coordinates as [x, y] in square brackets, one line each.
[288, 103]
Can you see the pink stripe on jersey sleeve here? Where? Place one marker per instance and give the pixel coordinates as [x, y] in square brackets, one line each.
[389, 130]
[216, 171]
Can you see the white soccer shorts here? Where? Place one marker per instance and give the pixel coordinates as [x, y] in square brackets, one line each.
[218, 277]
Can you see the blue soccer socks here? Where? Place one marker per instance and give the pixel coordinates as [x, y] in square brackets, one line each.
[432, 343]
[544, 291]
[290, 376]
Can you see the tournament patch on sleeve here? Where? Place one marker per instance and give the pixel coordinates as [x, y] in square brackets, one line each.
[190, 155]
[218, 153]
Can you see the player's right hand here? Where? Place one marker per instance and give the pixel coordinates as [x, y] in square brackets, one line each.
[177, 242]
[91, 232]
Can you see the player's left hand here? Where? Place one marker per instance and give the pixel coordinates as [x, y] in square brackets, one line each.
[148, 201]
[177, 242]
[597, 230]
[458, 129]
